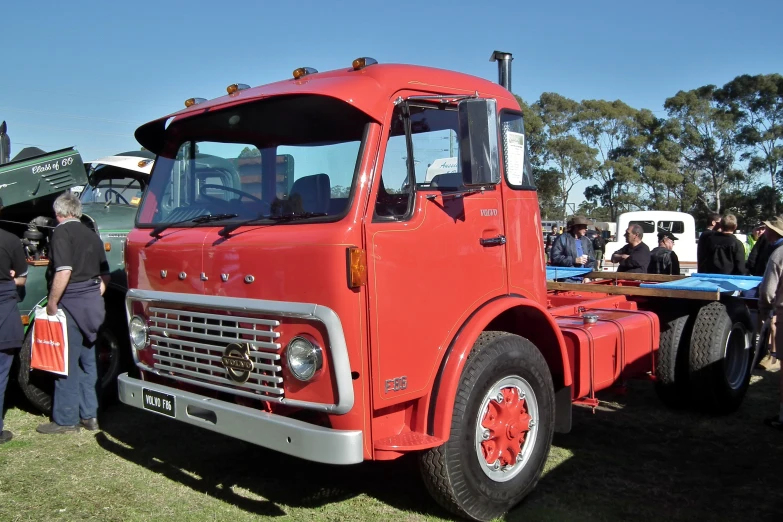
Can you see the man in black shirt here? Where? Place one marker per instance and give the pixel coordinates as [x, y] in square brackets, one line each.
[722, 252]
[77, 276]
[663, 259]
[634, 257]
[13, 274]
[714, 220]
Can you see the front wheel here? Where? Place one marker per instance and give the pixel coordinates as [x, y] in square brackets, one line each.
[501, 430]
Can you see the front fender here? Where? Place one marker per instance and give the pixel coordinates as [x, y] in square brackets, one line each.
[514, 314]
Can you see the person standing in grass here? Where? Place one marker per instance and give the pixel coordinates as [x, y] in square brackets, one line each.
[13, 274]
[77, 276]
[771, 300]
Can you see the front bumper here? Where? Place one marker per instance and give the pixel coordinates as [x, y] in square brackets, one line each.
[290, 436]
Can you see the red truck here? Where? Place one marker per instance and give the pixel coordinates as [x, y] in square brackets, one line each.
[297, 281]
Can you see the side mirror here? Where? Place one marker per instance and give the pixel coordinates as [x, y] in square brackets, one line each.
[478, 142]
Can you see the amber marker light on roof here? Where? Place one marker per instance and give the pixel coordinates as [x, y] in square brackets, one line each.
[193, 101]
[303, 71]
[361, 63]
[236, 87]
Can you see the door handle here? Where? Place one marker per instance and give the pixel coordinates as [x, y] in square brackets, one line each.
[493, 241]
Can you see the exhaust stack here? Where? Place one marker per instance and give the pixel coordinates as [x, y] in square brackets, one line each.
[504, 68]
[5, 144]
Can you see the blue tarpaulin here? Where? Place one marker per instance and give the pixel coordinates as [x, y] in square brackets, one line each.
[733, 284]
[561, 272]
[710, 283]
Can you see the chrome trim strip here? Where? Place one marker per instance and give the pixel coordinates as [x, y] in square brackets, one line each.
[265, 322]
[212, 378]
[259, 377]
[193, 344]
[331, 321]
[283, 434]
[216, 338]
[219, 328]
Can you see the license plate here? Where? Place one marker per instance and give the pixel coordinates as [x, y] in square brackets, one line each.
[162, 403]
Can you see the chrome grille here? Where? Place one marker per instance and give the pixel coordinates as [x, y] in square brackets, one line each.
[191, 345]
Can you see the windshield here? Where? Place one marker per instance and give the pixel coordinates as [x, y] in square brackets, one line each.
[287, 156]
[114, 189]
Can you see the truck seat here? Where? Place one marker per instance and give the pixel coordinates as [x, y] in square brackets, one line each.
[315, 192]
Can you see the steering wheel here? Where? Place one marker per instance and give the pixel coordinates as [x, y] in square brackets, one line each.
[240, 193]
[109, 191]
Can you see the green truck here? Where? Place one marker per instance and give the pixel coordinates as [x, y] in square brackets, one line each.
[110, 190]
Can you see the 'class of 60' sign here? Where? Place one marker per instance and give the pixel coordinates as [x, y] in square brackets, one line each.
[55, 165]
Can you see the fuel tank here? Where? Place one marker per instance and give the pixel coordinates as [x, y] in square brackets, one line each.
[608, 345]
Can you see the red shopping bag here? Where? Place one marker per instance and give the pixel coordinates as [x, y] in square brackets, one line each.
[50, 342]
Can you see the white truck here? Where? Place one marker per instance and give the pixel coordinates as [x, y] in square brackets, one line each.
[681, 224]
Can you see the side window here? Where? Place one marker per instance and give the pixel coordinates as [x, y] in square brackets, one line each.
[516, 160]
[675, 227]
[648, 227]
[434, 158]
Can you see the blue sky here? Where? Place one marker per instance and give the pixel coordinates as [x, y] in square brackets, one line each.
[87, 73]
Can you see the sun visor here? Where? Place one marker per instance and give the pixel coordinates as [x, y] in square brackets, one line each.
[151, 135]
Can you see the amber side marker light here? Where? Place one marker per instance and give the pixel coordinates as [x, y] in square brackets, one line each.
[303, 71]
[107, 247]
[194, 101]
[25, 320]
[361, 63]
[357, 267]
[236, 87]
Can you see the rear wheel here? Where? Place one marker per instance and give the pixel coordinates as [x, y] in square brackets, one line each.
[721, 356]
[671, 364]
[501, 430]
[38, 386]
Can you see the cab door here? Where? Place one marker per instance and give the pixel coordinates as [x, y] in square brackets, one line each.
[434, 254]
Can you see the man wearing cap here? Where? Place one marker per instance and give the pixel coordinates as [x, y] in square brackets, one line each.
[771, 300]
[573, 248]
[634, 257]
[13, 274]
[663, 259]
[751, 240]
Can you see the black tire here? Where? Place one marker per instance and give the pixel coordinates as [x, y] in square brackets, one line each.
[671, 363]
[721, 358]
[38, 386]
[453, 472]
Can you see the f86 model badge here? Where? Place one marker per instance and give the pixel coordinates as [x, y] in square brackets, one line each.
[236, 361]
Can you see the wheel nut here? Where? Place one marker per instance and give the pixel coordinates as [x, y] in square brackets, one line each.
[499, 398]
[485, 434]
[532, 424]
[496, 465]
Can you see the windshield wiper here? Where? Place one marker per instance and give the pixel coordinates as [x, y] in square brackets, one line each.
[196, 221]
[228, 229]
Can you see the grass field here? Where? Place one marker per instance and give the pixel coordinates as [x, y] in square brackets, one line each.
[631, 460]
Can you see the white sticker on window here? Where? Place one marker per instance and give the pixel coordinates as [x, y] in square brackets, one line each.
[515, 157]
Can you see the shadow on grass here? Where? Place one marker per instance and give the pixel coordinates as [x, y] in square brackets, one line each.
[636, 460]
[631, 460]
[222, 467]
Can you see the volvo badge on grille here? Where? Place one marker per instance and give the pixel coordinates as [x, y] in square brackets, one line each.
[236, 361]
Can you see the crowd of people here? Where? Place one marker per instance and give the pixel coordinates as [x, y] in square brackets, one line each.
[719, 251]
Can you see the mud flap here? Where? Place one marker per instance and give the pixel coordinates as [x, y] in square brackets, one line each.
[563, 410]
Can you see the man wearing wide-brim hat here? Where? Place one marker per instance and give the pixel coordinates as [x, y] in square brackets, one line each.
[573, 248]
[771, 300]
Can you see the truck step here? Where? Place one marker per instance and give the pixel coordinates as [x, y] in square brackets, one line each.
[408, 441]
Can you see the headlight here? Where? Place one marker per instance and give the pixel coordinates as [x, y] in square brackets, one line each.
[304, 358]
[137, 329]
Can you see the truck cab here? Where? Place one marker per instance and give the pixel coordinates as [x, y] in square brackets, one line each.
[339, 300]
